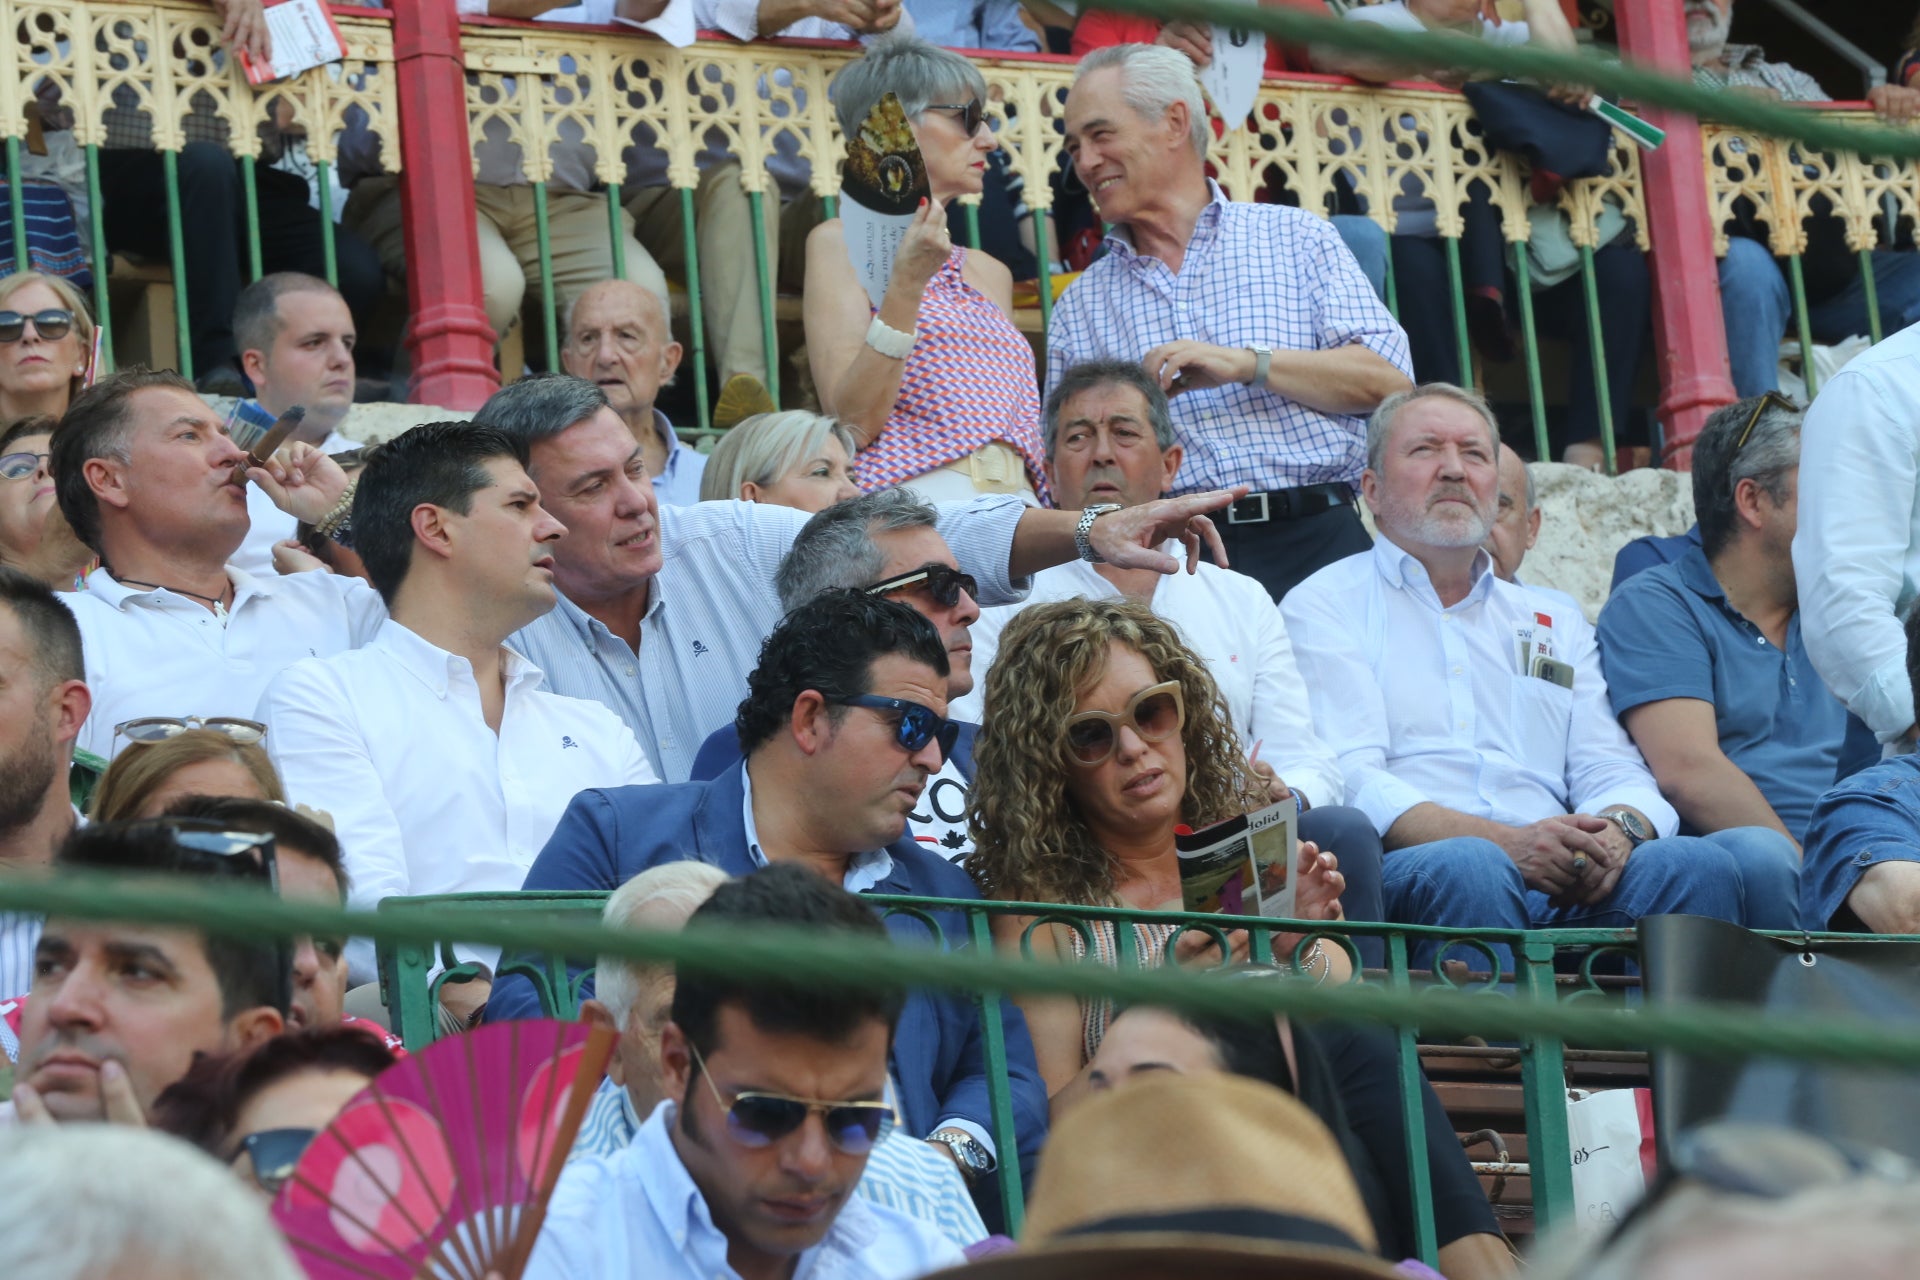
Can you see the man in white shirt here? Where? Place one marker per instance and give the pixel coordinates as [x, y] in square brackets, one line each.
[146, 476]
[1110, 439]
[662, 610]
[1472, 718]
[1856, 553]
[43, 703]
[619, 337]
[444, 764]
[775, 1097]
[1516, 525]
[296, 340]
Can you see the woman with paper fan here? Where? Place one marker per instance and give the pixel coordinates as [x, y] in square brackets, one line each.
[911, 339]
[1102, 734]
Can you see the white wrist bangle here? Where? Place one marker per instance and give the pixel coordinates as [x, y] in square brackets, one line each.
[889, 341]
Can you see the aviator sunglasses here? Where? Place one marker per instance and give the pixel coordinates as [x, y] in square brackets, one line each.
[160, 728]
[762, 1119]
[1156, 714]
[51, 323]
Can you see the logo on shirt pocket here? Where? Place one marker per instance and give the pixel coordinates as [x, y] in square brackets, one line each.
[566, 742]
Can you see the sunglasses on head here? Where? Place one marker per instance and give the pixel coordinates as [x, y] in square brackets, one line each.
[972, 114]
[1156, 713]
[762, 1119]
[51, 323]
[160, 728]
[274, 1154]
[1769, 399]
[943, 582]
[18, 466]
[917, 725]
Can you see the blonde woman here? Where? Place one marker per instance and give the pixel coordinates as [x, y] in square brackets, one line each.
[1102, 733]
[46, 341]
[794, 459]
[146, 778]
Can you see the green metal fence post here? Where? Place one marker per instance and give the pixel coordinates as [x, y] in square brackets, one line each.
[1803, 324]
[1457, 294]
[177, 247]
[17, 207]
[1006, 1140]
[1543, 1083]
[1040, 239]
[1872, 287]
[1393, 290]
[98, 234]
[1530, 342]
[616, 234]
[324, 171]
[1597, 343]
[543, 236]
[763, 269]
[1413, 1111]
[695, 320]
[250, 192]
[972, 216]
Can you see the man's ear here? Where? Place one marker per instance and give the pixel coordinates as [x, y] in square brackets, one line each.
[1170, 460]
[255, 1026]
[670, 354]
[1370, 490]
[810, 722]
[676, 1061]
[254, 365]
[432, 529]
[71, 702]
[107, 478]
[1533, 527]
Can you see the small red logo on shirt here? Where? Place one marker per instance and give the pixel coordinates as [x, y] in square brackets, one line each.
[1544, 619]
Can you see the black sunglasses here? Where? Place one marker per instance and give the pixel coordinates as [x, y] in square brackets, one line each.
[943, 582]
[972, 114]
[1768, 399]
[274, 1154]
[230, 852]
[917, 726]
[762, 1119]
[51, 323]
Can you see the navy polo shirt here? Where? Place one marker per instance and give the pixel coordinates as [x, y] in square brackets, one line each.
[1668, 632]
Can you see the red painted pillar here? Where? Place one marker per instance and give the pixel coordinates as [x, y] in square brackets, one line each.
[451, 341]
[1688, 330]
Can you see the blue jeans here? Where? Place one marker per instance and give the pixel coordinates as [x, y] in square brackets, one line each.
[1367, 240]
[1349, 835]
[1758, 307]
[1748, 876]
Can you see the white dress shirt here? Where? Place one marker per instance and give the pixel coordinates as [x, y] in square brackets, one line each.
[1230, 621]
[1426, 704]
[1857, 552]
[391, 740]
[708, 609]
[637, 1215]
[270, 523]
[155, 653]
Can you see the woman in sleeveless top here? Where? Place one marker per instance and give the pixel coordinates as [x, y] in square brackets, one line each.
[937, 384]
[1102, 733]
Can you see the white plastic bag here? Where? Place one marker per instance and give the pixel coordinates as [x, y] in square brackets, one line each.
[1611, 1136]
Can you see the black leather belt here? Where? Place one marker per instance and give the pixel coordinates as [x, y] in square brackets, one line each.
[1289, 504]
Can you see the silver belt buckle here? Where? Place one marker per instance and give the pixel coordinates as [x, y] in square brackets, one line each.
[1233, 511]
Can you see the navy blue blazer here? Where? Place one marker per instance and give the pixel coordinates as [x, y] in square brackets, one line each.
[721, 751]
[608, 836]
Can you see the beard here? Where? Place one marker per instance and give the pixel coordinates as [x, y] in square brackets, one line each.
[1427, 527]
[26, 773]
[1703, 38]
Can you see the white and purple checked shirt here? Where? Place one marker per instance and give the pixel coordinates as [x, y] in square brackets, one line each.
[1253, 273]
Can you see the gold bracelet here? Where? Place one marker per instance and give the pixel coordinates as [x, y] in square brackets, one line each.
[329, 524]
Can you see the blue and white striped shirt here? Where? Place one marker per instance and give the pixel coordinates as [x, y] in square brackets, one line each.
[903, 1173]
[1254, 274]
[708, 609]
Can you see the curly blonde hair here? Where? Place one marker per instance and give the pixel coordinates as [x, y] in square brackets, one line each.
[1030, 842]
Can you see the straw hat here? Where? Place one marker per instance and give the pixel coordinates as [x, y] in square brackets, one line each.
[1218, 1176]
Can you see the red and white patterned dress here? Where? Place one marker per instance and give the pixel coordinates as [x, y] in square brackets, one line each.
[968, 382]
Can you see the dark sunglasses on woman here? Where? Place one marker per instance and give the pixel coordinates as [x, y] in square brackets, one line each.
[1156, 713]
[762, 1119]
[274, 1154]
[943, 583]
[51, 323]
[972, 114]
[917, 725]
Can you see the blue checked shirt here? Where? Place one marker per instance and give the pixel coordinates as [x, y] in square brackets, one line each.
[1261, 274]
[903, 1174]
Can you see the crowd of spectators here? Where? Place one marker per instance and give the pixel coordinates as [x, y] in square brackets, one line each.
[973, 633]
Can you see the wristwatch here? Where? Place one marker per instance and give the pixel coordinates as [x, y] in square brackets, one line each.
[1262, 358]
[1083, 532]
[972, 1158]
[1631, 825]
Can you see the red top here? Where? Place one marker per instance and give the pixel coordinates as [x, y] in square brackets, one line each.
[1097, 29]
